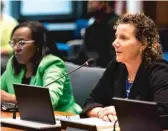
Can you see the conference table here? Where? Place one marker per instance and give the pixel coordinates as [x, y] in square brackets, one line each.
[9, 115]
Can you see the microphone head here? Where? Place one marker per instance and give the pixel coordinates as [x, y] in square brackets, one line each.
[90, 61]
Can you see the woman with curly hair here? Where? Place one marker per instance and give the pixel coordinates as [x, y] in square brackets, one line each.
[139, 71]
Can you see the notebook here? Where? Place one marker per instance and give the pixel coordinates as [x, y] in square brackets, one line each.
[34, 103]
[137, 115]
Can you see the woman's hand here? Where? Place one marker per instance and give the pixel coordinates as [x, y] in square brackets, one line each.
[6, 97]
[107, 114]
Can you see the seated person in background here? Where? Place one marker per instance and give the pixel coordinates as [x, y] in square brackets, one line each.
[7, 23]
[99, 36]
[34, 64]
[139, 71]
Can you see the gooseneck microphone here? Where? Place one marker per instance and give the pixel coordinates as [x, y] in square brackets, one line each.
[87, 63]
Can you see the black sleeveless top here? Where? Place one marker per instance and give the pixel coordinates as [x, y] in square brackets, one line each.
[26, 80]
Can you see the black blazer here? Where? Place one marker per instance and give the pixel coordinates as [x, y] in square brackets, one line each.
[150, 84]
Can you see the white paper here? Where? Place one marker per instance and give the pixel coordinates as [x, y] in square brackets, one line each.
[93, 121]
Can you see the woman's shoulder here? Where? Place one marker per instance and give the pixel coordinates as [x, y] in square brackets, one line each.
[49, 60]
[159, 63]
[158, 66]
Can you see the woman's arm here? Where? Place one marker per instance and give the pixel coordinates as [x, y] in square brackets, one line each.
[106, 113]
[6, 97]
[94, 112]
[52, 73]
[159, 81]
[99, 97]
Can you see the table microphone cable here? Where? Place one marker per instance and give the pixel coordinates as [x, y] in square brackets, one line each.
[114, 126]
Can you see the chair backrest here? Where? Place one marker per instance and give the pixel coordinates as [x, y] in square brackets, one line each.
[83, 81]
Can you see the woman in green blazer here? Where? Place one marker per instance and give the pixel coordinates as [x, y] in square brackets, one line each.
[34, 64]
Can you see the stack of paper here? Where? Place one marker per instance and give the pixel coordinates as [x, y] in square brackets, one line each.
[99, 123]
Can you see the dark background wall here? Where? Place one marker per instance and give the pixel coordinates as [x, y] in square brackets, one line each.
[157, 10]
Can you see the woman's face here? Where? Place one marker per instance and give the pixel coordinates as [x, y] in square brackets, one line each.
[126, 45]
[24, 47]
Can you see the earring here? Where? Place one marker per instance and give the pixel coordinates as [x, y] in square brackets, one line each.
[140, 51]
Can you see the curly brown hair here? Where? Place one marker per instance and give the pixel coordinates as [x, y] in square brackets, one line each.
[146, 32]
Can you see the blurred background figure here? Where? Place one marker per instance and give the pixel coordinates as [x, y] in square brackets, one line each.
[7, 23]
[99, 36]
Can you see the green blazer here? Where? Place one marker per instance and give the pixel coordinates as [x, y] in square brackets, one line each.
[49, 69]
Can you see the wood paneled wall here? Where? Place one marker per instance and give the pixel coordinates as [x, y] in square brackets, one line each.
[158, 11]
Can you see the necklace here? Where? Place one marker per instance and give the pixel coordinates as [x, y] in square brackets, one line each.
[128, 87]
[130, 81]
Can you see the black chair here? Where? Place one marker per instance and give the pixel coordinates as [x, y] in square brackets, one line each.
[83, 81]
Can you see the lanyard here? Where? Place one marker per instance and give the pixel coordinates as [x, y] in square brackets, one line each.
[128, 87]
